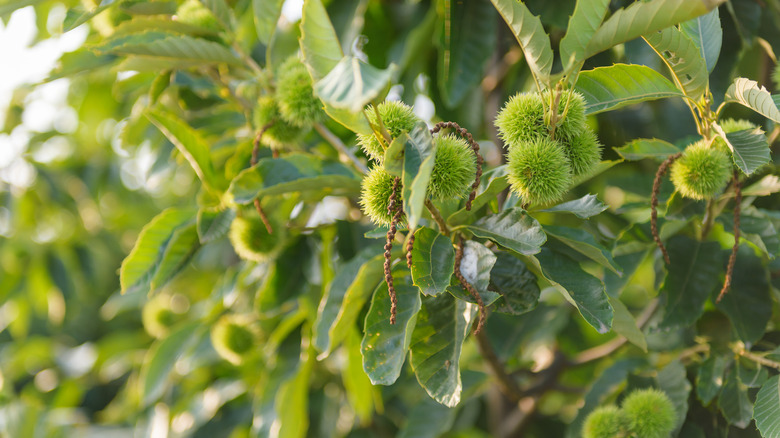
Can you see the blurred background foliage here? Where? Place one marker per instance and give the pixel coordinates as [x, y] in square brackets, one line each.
[78, 358]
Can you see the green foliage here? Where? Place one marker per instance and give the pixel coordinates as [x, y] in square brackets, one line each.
[143, 294]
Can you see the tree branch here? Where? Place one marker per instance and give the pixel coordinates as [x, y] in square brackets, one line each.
[345, 154]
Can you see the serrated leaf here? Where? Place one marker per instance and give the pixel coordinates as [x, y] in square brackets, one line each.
[583, 23]
[437, 340]
[642, 148]
[177, 253]
[266, 15]
[672, 380]
[530, 34]
[79, 61]
[478, 260]
[584, 208]
[419, 156]
[734, 402]
[169, 46]
[293, 173]
[756, 228]
[462, 55]
[748, 93]
[707, 35]
[693, 273]
[513, 229]
[767, 408]
[385, 345]
[162, 357]
[214, 223]
[140, 265]
[496, 183]
[709, 379]
[747, 303]
[683, 58]
[190, 144]
[433, 261]
[643, 18]
[583, 290]
[585, 244]
[749, 148]
[619, 85]
[624, 324]
[352, 84]
[515, 283]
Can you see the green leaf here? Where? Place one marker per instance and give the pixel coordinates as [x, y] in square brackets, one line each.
[749, 148]
[177, 253]
[585, 244]
[756, 228]
[766, 186]
[462, 55]
[583, 23]
[333, 298]
[155, 7]
[394, 155]
[683, 58]
[707, 35]
[747, 304]
[643, 18]
[709, 379]
[437, 340]
[624, 324]
[319, 43]
[585, 207]
[530, 34]
[419, 156]
[693, 273]
[496, 183]
[221, 11]
[385, 345]
[583, 290]
[734, 402]
[9, 6]
[79, 61]
[428, 419]
[169, 47]
[433, 261]
[619, 85]
[352, 84]
[162, 357]
[513, 229]
[292, 401]
[357, 385]
[77, 16]
[190, 144]
[672, 380]
[293, 173]
[214, 223]
[515, 283]
[342, 302]
[748, 93]
[476, 264]
[141, 264]
[767, 408]
[642, 148]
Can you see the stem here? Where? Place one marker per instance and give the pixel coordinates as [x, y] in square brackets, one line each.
[344, 153]
[253, 161]
[506, 383]
[756, 358]
[735, 248]
[437, 217]
[246, 58]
